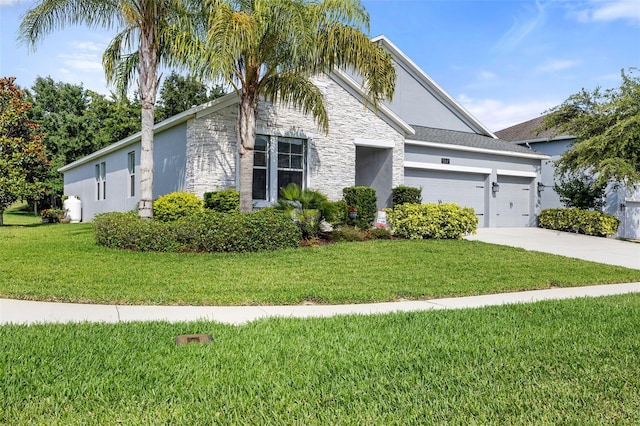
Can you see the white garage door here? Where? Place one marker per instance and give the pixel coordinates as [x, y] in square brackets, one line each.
[514, 201]
[464, 189]
[630, 226]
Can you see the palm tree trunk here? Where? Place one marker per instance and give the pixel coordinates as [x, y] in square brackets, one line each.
[148, 86]
[246, 142]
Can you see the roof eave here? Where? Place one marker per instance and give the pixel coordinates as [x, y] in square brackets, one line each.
[537, 156]
[170, 122]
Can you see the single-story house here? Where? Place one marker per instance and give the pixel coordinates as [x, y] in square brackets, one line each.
[620, 201]
[423, 138]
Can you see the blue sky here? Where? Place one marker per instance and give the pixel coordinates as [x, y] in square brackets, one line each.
[505, 61]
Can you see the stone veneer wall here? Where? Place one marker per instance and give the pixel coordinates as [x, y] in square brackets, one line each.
[211, 142]
[211, 152]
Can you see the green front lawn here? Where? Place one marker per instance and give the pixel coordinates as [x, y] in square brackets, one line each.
[20, 214]
[556, 362]
[61, 262]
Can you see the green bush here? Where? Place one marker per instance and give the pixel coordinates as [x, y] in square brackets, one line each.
[175, 205]
[439, 221]
[223, 201]
[204, 231]
[346, 234]
[406, 195]
[378, 233]
[308, 208]
[587, 222]
[53, 215]
[336, 213]
[364, 200]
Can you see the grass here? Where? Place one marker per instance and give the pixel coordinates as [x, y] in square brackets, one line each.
[555, 362]
[20, 214]
[62, 263]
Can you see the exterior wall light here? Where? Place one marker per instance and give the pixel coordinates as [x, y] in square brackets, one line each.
[495, 187]
[541, 186]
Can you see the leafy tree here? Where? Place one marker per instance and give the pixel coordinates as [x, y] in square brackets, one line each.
[580, 191]
[143, 25]
[179, 93]
[606, 125]
[23, 160]
[272, 48]
[76, 122]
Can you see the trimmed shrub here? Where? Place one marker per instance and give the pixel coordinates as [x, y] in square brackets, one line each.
[205, 231]
[175, 205]
[378, 233]
[587, 222]
[364, 200]
[223, 201]
[53, 215]
[346, 234]
[406, 195]
[439, 221]
[336, 212]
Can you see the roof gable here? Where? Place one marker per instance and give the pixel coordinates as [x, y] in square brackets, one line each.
[420, 100]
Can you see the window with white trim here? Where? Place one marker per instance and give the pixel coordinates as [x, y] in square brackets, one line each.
[277, 162]
[101, 181]
[131, 166]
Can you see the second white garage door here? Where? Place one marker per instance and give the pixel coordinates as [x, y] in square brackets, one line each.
[464, 189]
[514, 201]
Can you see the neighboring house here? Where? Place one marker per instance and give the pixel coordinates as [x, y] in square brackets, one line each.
[622, 202]
[423, 138]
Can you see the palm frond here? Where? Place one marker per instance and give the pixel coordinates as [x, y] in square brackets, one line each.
[296, 90]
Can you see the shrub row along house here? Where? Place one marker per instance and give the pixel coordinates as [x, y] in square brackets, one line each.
[620, 201]
[423, 138]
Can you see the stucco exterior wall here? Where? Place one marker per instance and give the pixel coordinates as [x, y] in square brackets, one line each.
[81, 181]
[169, 165]
[169, 160]
[417, 106]
[434, 155]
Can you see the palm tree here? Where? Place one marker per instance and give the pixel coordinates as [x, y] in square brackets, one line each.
[272, 48]
[140, 22]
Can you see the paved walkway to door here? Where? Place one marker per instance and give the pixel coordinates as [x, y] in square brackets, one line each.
[595, 249]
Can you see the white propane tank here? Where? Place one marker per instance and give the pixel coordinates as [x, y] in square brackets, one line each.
[73, 207]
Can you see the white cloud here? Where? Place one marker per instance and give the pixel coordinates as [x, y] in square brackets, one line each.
[87, 45]
[521, 29]
[82, 61]
[611, 11]
[557, 65]
[498, 115]
[486, 75]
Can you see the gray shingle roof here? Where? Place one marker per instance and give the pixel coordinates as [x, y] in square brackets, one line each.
[526, 131]
[454, 137]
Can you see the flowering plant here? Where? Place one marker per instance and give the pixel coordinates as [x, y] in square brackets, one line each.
[352, 209]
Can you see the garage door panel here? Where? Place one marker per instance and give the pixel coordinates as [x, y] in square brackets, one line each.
[513, 201]
[464, 189]
[630, 227]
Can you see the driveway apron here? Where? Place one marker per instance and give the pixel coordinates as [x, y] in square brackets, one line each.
[595, 249]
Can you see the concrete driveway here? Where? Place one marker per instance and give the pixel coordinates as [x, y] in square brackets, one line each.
[595, 249]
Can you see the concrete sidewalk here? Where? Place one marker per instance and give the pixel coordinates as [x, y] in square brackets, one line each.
[27, 312]
[585, 247]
